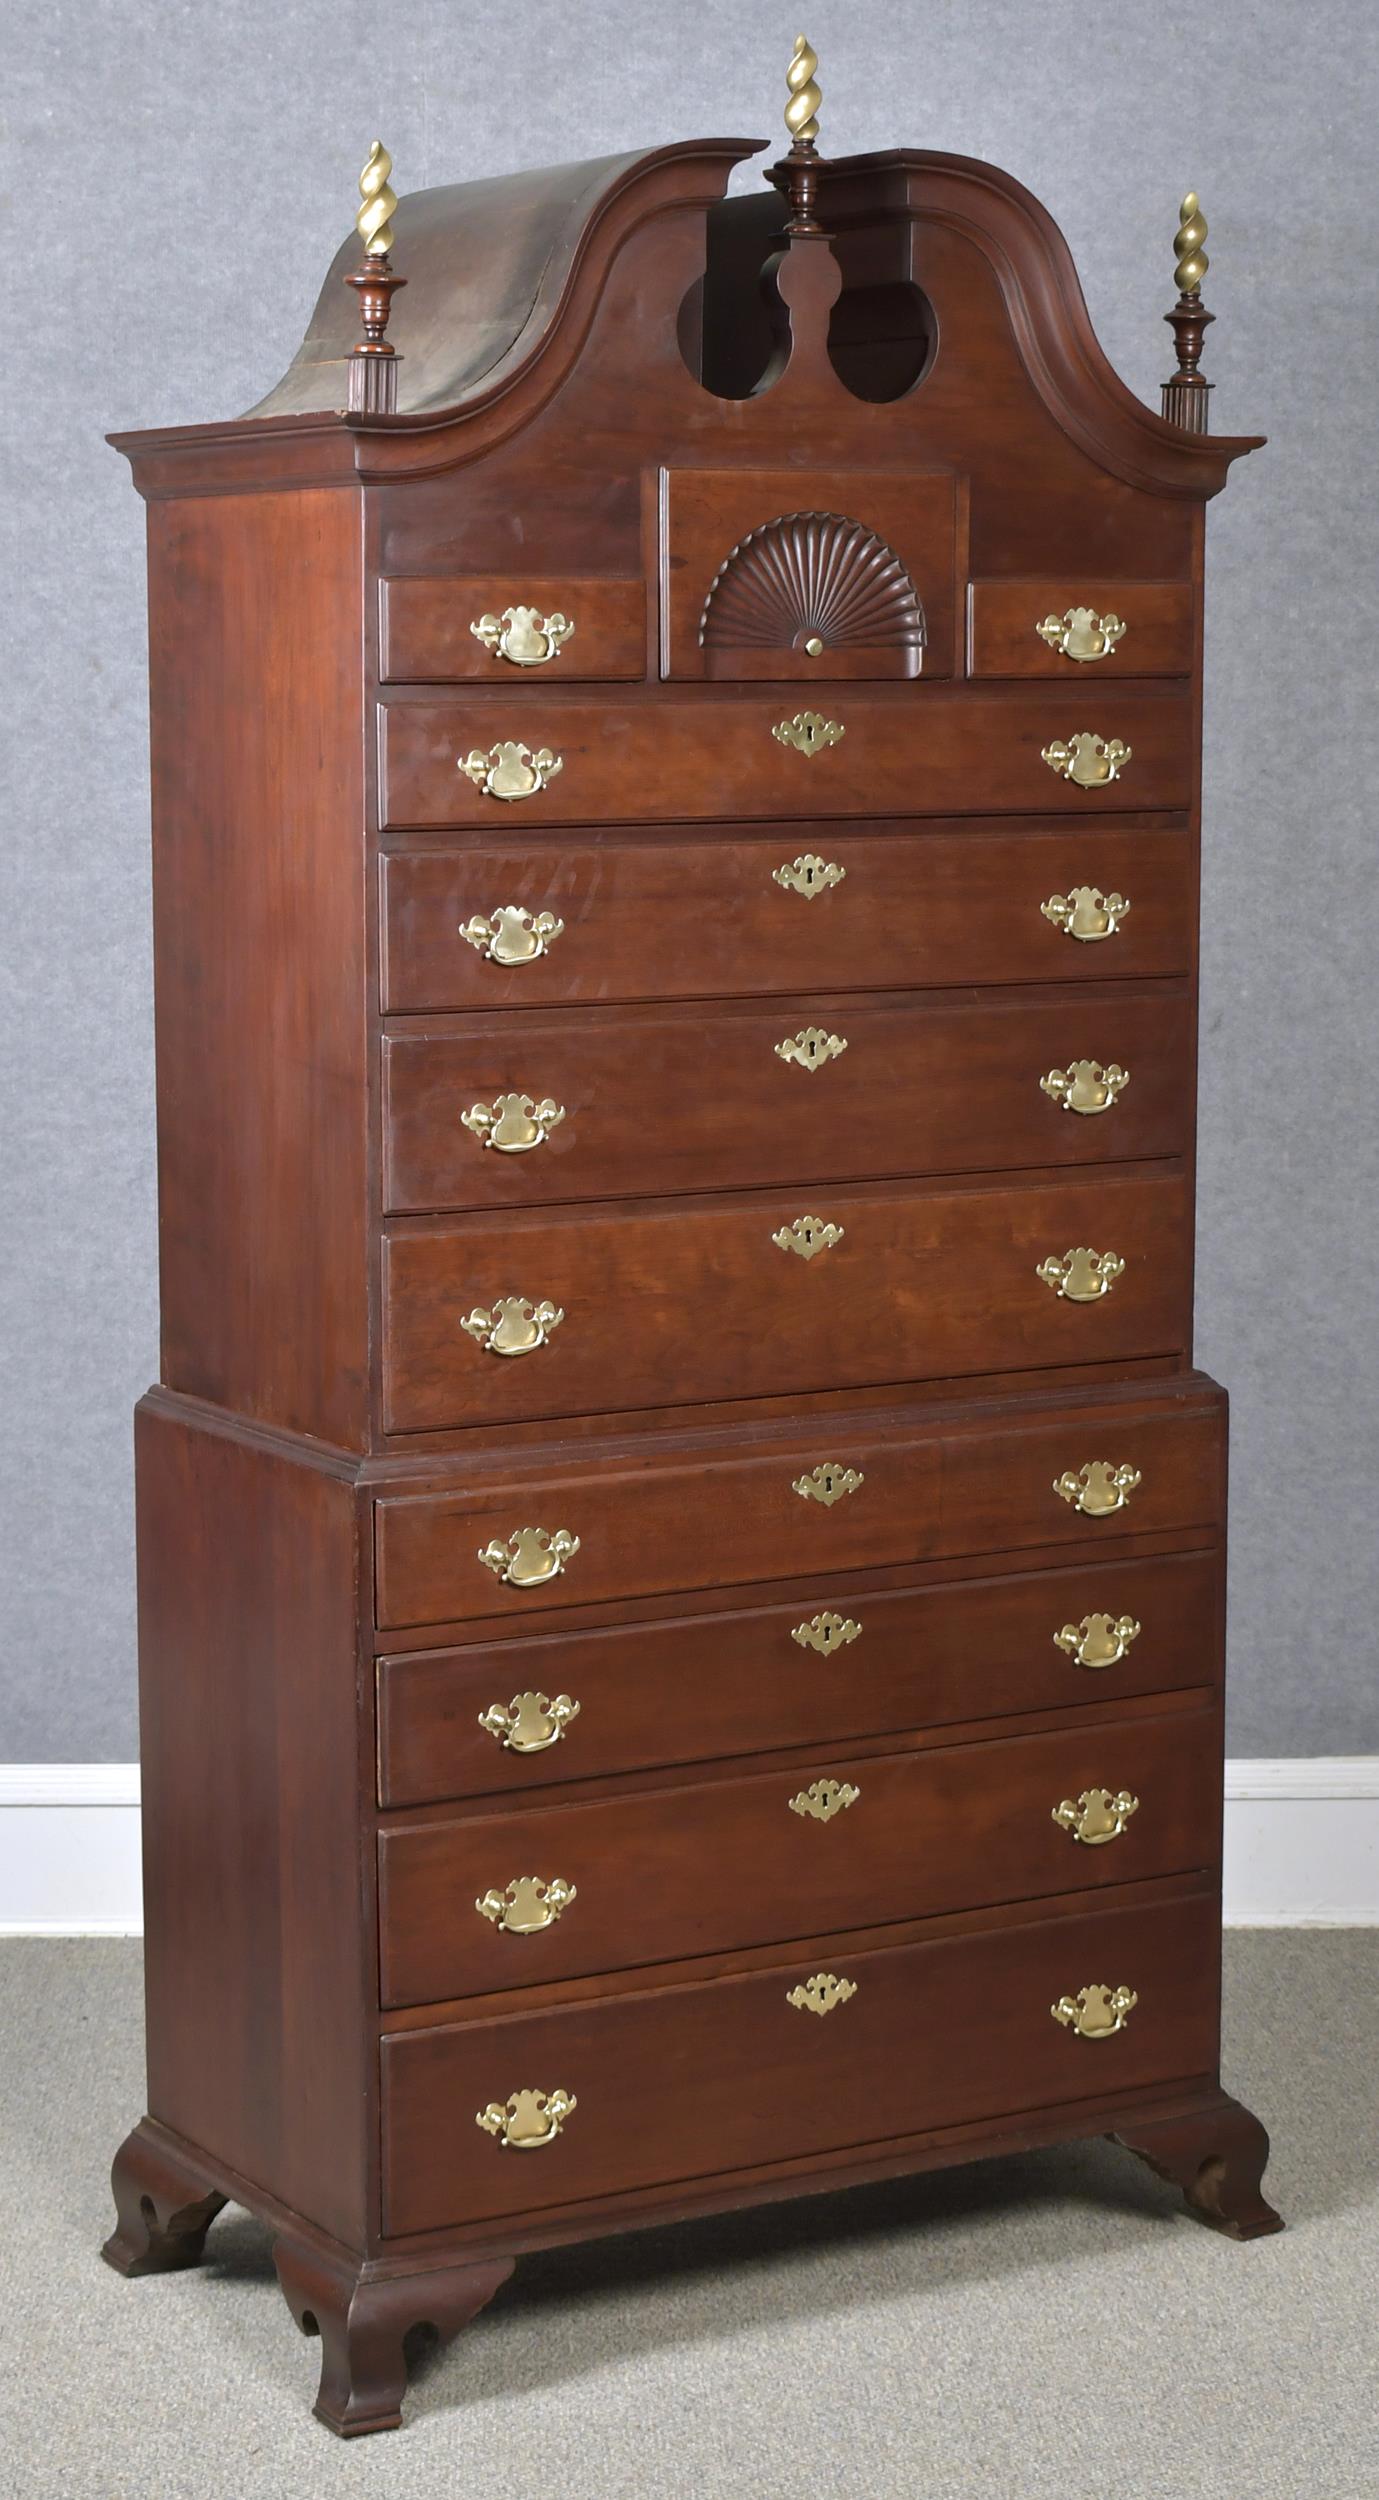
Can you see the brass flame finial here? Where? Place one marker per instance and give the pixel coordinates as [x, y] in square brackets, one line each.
[1193, 263]
[372, 364]
[374, 221]
[1186, 395]
[802, 111]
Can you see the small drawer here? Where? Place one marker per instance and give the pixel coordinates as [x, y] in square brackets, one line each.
[1079, 630]
[684, 1301]
[576, 922]
[934, 2034]
[560, 1891]
[813, 1090]
[434, 629]
[520, 1716]
[722, 1509]
[534, 756]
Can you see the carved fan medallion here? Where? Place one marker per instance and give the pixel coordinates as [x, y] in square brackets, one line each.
[819, 592]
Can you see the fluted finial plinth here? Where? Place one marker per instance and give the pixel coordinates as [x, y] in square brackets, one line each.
[1186, 394]
[373, 363]
[801, 176]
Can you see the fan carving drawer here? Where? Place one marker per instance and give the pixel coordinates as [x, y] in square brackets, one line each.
[733, 2074]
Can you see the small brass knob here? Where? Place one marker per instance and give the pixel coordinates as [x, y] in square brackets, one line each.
[511, 935]
[1098, 1640]
[1085, 1086]
[527, 2120]
[512, 1123]
[1096, 1816]
[1097, 1489]
[527, 1904]
[530, 1722]
[510, 770]
[1095, 2013]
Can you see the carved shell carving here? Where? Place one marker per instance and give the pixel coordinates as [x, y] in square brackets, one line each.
[811, 576]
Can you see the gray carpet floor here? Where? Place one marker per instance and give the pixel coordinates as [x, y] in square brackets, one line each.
[1052, 2325]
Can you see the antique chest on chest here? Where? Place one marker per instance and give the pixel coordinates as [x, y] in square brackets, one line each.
[681, 1545]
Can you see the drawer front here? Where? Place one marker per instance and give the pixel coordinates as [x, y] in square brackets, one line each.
[661, 918]
[1081, 641]
[929, 750]
[742, 1862]
[530, 628]
[693, 1300]
[721, 1513]
[937, 2033]
[578, 1705]
[651, 1104]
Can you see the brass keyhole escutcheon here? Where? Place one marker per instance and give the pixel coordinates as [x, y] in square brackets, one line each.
[809, 733]
[822, 1994]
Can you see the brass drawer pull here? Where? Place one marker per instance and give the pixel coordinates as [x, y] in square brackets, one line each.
[1098, 1488]
[828, 1483]
[1086, 913]
[511, 770]
[527, 1904]
[1095, 2013]
[825, 1798]
[1087, 759]
[811, 1048]
[512, 1123]
[825, 1633]
[527, 2120]
[1098, 1640]
[1080, 634]
[1080, 1275]
[511, 935]
[808, 875]
[809, 732]
[1097, 1816]
[530, 1722]
[821, 1994]
[523, 635]
[514, 1326]
[1085, 1086]
[529, 1556]
[807, 1236]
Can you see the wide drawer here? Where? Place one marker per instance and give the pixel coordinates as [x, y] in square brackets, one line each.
[728, 2074]
[549, 1528]
[654, 916]
[923, 750]
[1108, 629]
[680, 1302]
[746, 1861]
[604, 1104]
[516, 1716]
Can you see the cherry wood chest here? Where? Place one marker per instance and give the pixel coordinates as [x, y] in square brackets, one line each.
[681, 1543]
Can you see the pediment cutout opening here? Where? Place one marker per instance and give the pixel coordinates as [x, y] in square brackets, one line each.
[815, 582]
[734, 331]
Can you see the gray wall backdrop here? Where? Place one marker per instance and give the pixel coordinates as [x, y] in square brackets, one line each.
[173, 163]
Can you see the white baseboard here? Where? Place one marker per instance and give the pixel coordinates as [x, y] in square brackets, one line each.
[1302, 1846]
